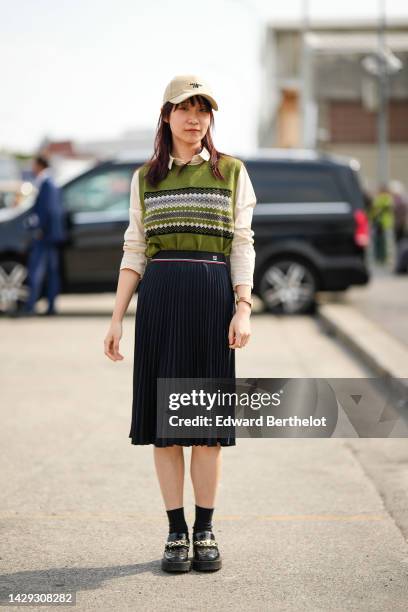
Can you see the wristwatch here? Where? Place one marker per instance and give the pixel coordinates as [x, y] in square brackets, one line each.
[244, 299]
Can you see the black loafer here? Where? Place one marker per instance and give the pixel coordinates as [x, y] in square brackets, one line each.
[175, 557]
[206, 556]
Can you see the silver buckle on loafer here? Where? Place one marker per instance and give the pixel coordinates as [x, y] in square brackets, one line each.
[177, 543]
[205, 543]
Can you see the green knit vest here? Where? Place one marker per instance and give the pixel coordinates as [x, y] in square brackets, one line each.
[190, 212]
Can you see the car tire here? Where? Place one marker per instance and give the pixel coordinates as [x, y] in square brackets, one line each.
[14, 290]
[288, 286]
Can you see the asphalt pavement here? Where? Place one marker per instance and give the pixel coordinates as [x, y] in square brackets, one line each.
[312, 524]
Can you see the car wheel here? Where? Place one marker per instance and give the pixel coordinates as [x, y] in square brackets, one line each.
[14, 290]
[288, 286]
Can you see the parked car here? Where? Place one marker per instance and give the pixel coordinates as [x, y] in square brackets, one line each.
[13, 188]
[310, 228]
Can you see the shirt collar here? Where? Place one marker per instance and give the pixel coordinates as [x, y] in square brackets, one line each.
[41, 176]
[204, 154]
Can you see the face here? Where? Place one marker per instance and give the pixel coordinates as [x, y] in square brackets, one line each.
[189, 123]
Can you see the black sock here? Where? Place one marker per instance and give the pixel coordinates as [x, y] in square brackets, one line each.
[177, 522]
[203, 518]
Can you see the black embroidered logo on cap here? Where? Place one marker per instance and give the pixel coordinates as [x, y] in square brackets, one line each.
[196, 84]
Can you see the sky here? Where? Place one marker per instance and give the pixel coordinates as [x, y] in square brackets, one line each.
[93, 69]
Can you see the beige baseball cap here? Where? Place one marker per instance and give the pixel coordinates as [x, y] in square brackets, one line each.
[183, 86]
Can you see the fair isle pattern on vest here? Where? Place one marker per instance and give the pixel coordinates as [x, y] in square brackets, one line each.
[190, 211]
[199, 210]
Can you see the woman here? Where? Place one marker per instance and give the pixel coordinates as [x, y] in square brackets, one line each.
[190, 208]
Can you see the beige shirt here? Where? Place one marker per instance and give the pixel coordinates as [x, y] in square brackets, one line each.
[242, 257]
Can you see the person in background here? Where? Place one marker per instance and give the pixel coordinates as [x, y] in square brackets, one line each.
[382, 220]
[43, 259]
[401, 226]
[400, 210]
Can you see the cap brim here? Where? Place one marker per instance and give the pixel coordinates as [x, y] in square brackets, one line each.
[188, 94]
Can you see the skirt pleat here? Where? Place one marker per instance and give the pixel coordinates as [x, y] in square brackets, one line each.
[183, 313]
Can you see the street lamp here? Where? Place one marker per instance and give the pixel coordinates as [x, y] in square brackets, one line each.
[382, 64]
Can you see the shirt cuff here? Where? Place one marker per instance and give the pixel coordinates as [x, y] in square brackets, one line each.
[133, 261]
[242, 281]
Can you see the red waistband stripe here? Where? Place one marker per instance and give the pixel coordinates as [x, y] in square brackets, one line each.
[199, 260]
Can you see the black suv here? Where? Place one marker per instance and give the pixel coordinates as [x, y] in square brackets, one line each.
[310, 230]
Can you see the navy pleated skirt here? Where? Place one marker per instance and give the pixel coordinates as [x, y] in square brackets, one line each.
[184, 308]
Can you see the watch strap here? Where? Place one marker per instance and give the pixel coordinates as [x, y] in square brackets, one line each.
[244, 299]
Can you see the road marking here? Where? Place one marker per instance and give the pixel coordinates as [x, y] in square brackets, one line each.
[159, 517]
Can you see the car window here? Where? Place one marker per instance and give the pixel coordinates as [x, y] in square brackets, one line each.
[106, 190]
[9, 169]
[290, 184]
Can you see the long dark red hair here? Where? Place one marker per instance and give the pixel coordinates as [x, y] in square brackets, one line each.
[158, 163]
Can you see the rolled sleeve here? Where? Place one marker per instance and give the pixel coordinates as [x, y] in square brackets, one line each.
[242, 257]
[134, 245]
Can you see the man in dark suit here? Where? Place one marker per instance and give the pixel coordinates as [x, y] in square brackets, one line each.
[43, 260]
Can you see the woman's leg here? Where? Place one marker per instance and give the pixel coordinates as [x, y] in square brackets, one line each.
[205, 469]
[169, 463]
[205, 474]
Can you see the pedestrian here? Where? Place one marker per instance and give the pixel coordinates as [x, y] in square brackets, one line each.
[400, 226]
[382, 220]
[188, 248]
[400, 210]
[43, 257]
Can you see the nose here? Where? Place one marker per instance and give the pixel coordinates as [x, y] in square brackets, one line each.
[193, 115]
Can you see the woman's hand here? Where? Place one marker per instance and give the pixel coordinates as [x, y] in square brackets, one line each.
[240, 327]
[112, 339]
